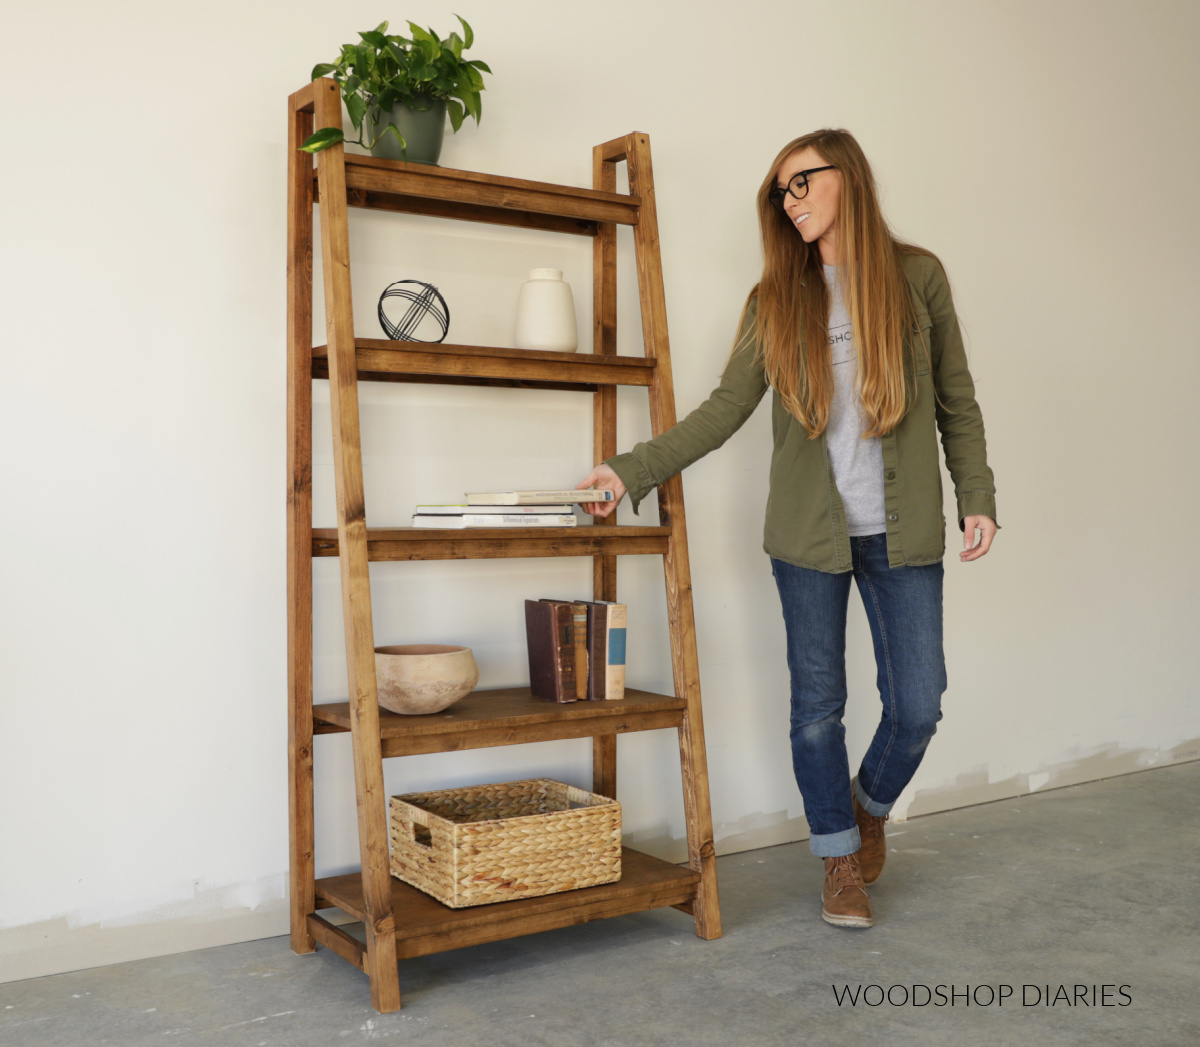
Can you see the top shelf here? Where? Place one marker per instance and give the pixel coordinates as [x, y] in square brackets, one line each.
[393, 185]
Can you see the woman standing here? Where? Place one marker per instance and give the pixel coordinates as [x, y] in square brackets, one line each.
[856, 335]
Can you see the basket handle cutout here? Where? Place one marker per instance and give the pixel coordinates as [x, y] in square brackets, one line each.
[422, 835]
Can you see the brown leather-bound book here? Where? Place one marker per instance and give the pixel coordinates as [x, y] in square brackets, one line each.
[581, 651]
[606, 650]
[550, 634]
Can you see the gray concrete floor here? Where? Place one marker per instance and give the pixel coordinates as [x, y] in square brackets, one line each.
[1087, 886]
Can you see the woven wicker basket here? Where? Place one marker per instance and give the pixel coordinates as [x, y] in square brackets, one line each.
[494, 843]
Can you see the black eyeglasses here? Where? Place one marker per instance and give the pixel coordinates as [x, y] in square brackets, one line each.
[797, 186]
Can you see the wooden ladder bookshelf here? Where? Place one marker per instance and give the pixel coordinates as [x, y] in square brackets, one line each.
[400, 921]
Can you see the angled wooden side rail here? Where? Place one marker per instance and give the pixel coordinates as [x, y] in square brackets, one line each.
[398, 920]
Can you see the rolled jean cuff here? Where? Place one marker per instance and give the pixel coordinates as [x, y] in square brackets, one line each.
[869, 805]
[834, 845]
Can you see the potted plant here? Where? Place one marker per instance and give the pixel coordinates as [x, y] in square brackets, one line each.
[398, 91]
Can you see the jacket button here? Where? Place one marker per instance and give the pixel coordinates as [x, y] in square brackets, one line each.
[890, 474]
[893, 517]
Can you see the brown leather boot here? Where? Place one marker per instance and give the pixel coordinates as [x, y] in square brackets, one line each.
[844, 900]
[872, 851]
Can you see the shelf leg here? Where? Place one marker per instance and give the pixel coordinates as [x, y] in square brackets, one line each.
[676, 569]
[299, 498]
[352, 550]
[604, 428]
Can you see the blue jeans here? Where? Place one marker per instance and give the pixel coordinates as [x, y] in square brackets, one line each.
[904, 607]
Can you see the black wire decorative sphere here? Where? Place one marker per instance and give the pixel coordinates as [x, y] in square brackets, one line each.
[424, 301]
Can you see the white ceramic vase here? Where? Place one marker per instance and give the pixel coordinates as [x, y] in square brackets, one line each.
[546, 313]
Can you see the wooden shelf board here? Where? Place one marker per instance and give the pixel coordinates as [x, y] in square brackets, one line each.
[424, 925]
[509, 716]
[471, 196]
[487, 543]
[379, 359]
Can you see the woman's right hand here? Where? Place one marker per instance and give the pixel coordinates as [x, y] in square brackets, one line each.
[604, 479]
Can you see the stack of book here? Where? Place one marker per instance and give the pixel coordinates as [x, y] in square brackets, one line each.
[576, 649]
[508, 509]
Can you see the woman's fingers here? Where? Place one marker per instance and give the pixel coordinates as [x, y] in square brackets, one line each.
[602, 478]
[986, 527]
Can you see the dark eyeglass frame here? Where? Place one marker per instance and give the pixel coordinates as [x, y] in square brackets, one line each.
[776, 194]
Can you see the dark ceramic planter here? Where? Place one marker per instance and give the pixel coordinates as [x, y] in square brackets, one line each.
[423, 129]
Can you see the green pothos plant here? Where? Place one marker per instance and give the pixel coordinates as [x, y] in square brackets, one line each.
[383, 71]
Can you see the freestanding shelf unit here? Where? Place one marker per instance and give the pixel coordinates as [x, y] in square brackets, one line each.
[399, 920]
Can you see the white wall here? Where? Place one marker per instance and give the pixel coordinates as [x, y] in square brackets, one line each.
[1045, 150]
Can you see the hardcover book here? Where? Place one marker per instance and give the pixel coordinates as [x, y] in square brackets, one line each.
[550, 635]
[458, 510]
[579, 637]
[536, 497]
[495, 520]
[606, 650]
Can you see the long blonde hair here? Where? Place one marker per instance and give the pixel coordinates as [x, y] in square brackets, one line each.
[794, 300]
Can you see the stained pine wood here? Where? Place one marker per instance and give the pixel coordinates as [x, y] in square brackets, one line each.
[352, 542]
[512, 716]
[424, 925]
[337, 940]
[604, 428]
[472, 191]
[299, 503]
[398, 920]
[487, 543]
[471, 212]
[676, 568]
[380, 356]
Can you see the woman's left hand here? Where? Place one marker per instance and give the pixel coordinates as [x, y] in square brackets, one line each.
[987, 531]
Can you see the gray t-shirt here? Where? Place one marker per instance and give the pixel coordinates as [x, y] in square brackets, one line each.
[857, 463]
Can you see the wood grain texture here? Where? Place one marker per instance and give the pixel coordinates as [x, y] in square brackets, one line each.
[472, 191]
[382, 356]
[511, 716]
[426, 926]
[352, 541]
[471, 213]
[336, 940]
[676, 568]
[604, 428]
[490, 543]
[400, 921]
[299, 524]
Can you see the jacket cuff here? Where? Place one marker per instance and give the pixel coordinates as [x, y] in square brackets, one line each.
[634, 475]
[974, 503]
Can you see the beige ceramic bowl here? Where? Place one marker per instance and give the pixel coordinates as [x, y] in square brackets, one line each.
[423, 677]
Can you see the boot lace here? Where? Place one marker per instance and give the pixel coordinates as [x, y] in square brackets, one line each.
[844, 872]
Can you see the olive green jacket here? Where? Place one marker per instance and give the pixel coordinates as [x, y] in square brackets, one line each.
[806, 523]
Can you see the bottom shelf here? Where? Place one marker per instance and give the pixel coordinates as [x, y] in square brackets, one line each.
[424, 925]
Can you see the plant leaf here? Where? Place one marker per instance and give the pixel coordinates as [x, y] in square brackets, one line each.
[479, 65]
[395, 133]
[468, 33]
[381, 28]
[364, 59]
[320, 70]
[356, 107]
[455, 109]
[469, 99]
[427, 42]
[375, 39]
[323, 139]
[455, 45]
